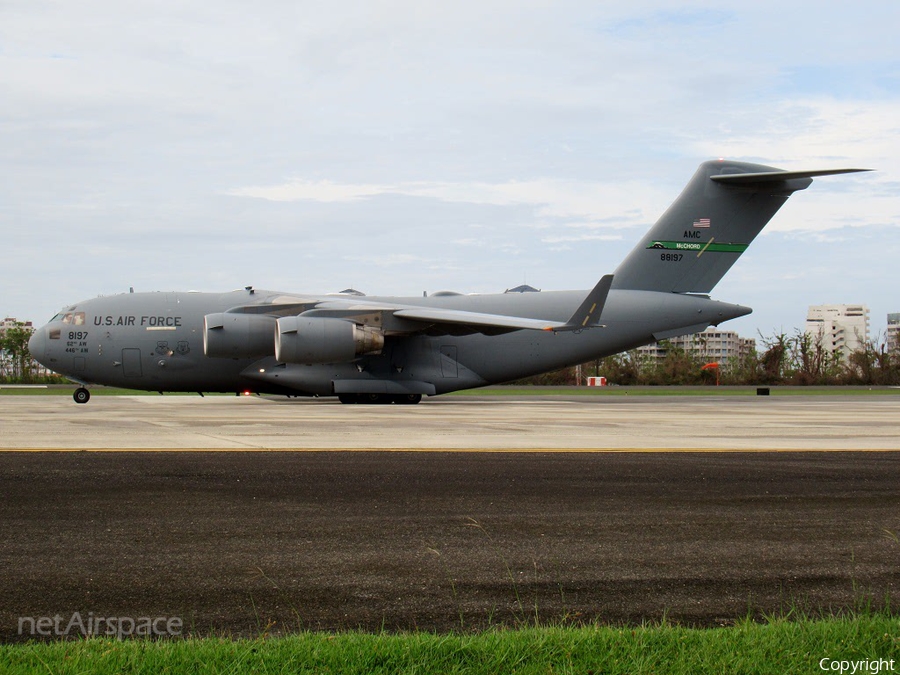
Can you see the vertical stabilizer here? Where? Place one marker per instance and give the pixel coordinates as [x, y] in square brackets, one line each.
[701, 235]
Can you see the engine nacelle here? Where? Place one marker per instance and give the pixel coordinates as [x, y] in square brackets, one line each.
[238, 336]
[300, 339]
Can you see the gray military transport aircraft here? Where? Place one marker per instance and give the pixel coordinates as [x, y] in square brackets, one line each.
[397, 349]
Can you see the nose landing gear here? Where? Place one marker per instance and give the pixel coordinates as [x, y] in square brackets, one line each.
[81, 395]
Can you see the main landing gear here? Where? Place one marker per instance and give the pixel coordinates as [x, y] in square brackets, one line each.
[81, 395]
[401, 399]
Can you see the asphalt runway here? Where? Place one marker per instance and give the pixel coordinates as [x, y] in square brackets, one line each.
[243, 542]
[235, 542]
[466, 423]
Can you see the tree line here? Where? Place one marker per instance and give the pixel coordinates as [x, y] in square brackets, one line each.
[797, 359]
[16, 364]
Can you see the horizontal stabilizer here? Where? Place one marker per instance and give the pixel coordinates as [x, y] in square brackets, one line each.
[772, 176]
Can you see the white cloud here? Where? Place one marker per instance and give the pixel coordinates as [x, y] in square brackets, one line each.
[590, 204]
[559, 239]
[481, 140]
[319, 191]
[819, 131]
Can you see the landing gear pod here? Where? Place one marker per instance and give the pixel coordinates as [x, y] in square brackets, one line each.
[238, 336]
[301, 339]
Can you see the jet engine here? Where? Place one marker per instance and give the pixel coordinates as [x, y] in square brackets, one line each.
[238, 336]
[300, 339]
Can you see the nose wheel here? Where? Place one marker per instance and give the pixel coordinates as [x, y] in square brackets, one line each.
[81, 395]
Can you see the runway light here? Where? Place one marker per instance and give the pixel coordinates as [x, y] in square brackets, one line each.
[248, 393]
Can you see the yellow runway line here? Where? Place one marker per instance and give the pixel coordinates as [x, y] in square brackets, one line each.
[461, 450]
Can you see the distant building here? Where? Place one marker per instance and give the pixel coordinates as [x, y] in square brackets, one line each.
[713, 344]
[893, 332]
[11, 321]
[840, 329]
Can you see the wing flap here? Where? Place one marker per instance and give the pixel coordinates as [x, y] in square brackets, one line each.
[459, 317]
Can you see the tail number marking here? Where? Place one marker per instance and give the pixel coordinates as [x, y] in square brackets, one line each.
[671, 257]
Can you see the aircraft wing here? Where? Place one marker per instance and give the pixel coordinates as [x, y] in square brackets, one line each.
[407, 319]
[403, 319]
[440, 320]
[474, 319]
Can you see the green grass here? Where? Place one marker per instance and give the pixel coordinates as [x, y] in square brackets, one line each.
[513, 390]
[779, 646]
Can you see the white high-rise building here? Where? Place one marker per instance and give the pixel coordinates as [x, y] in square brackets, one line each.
[840, 329]
[893, 332]
[713, 344]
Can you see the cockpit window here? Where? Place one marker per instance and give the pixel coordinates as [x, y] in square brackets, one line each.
[74, 318]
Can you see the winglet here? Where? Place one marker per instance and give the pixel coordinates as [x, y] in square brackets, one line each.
[588, 313]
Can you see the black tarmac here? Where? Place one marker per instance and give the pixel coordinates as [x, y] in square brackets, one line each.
[242, 543]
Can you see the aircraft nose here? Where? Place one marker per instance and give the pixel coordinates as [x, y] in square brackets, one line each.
[37, 344]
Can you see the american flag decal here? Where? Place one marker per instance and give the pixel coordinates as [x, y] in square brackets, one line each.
[703, 222]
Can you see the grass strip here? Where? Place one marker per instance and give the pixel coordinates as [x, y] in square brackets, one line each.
[674, 390]
[872, 642]
[525, 391]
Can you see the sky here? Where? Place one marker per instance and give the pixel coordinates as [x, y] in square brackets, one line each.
[402, 147]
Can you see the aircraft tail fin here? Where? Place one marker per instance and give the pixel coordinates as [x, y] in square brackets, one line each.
[701, 235]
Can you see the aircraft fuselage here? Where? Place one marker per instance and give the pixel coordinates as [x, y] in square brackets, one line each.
[155, 341]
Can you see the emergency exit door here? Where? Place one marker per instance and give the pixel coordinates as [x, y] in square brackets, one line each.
[131, 362]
